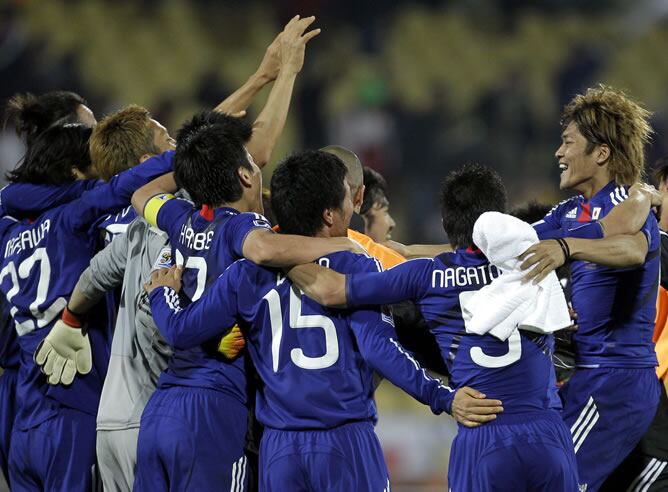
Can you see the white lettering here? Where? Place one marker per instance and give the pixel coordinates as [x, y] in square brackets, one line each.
[463, 276]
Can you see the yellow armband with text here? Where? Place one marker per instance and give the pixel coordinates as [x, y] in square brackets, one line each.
[152, 207]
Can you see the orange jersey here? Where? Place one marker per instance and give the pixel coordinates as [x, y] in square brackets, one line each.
[387, 257]
[661, 333]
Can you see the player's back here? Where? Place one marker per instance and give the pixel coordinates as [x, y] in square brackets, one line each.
[313, 374]
[41, 263]
[516, 371]
[205, 243]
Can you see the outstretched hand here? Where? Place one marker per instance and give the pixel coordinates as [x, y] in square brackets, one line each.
[165, 277]
[293, 42]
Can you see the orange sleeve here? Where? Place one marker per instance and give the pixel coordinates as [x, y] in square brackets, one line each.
[387, 257]
[661, 333]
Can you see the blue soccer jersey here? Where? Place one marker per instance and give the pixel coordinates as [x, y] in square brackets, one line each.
[113, 225]
[205, 243]
[41, 263]
[516, 371]
[616, 306]
[316, 364]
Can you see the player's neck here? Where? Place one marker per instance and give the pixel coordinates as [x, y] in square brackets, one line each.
[242, 205]
[593, 185]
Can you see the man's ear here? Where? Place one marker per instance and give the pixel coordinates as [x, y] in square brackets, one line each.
[245, 176]
[603, 154]
[328, 217]
[358, 199]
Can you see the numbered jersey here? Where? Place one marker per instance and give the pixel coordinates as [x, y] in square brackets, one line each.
[41, 263]
[315, 363]
[518, 371]
[616, 306]
[205, 243]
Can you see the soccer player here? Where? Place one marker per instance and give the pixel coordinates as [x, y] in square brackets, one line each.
[612, 397]
[316, 364]
[527, 447]
[138, 353]
[212, 165]
[31, 115]
[54, 435]
[376, 207]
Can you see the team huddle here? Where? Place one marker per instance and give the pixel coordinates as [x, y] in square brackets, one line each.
[168, 323]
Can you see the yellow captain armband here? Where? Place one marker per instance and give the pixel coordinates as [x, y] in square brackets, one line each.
[152, 207]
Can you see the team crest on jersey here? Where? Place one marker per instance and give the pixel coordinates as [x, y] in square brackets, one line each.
[164, 258]
[572, 214]
[595, 213]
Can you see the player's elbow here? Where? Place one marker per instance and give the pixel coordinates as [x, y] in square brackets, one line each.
[634, 251]
[138, 201]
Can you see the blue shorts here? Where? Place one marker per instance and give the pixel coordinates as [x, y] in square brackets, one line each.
[344, 459]
[191, 439]
[7, 414]
[526, 451]
[608, 410]
[56, 455]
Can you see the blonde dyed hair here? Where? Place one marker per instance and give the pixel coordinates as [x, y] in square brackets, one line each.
[607, 116]
[120, 139]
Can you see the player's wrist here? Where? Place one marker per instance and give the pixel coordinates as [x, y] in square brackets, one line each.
[72, 319]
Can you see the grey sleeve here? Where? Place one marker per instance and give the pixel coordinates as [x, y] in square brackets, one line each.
[107, 268]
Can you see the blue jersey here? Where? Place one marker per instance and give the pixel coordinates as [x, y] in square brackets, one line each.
[205, 243]
[25, 199]
[41, 263]
[616, 306]
[517, 371]
[316, 364]
[113, 225]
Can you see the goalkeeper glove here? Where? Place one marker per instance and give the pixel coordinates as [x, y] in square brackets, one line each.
[232, 343]
[65, 350]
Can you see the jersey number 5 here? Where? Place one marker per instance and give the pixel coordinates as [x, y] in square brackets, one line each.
[297, 321]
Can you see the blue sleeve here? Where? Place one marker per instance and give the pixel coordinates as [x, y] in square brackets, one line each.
[408, 280]
[169, 216]
[651, 231]
[115, 194]
[208, 317]
[377, 342]
[25, 199]
[240, 226]
[550, 226]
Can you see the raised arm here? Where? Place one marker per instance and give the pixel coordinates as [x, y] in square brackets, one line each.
[164, 184]
[269, 124]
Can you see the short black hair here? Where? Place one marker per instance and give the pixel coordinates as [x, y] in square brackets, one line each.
[32, 115]
[303, 186]
[466, 194]
[210, 148]
[660, 170]
[52, 155]
[531, 212]
[375, 190]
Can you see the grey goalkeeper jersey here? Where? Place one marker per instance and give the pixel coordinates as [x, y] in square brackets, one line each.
[138, 352]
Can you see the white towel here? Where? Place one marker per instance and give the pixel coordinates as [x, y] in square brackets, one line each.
[508, 304]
